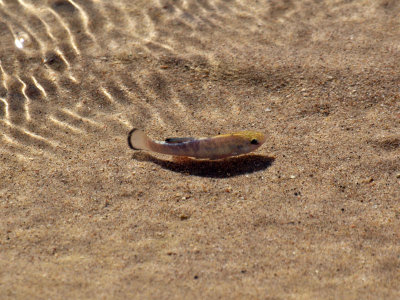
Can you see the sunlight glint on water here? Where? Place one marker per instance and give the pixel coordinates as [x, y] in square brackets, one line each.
[82, 66]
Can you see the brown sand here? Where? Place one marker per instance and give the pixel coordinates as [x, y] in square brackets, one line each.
[315, 213]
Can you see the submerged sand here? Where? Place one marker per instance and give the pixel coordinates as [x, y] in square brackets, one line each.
[314, 213]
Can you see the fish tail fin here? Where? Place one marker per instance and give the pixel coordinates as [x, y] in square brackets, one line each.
[138, 140]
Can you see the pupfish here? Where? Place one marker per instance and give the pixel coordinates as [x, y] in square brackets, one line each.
[216, 147]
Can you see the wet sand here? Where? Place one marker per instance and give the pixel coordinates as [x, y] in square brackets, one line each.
[314, 213]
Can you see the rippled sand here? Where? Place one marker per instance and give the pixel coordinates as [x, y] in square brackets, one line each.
[315, 213]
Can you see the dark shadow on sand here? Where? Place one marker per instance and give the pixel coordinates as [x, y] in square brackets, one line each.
[224, 168]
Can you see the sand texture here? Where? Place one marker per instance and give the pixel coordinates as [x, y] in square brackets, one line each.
[313, 214]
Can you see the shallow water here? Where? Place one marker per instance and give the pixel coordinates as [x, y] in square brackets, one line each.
[315, 211]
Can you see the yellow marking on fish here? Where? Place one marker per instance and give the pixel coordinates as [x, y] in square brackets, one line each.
[216, 147]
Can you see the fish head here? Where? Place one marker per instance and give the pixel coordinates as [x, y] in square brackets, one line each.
[251, 139]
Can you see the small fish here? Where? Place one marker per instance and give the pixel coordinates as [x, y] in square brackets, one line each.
[216, 147]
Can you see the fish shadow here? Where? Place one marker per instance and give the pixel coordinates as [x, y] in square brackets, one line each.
[224, 168]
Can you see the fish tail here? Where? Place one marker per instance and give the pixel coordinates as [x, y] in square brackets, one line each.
[138, 140]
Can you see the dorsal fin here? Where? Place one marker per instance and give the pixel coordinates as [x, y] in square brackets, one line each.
[174, 140]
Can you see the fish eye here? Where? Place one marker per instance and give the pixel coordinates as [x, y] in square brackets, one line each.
[254, 142]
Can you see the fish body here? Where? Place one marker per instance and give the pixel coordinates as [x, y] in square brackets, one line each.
[216, 147]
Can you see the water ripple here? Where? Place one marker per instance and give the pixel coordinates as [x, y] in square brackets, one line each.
[72, 68]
